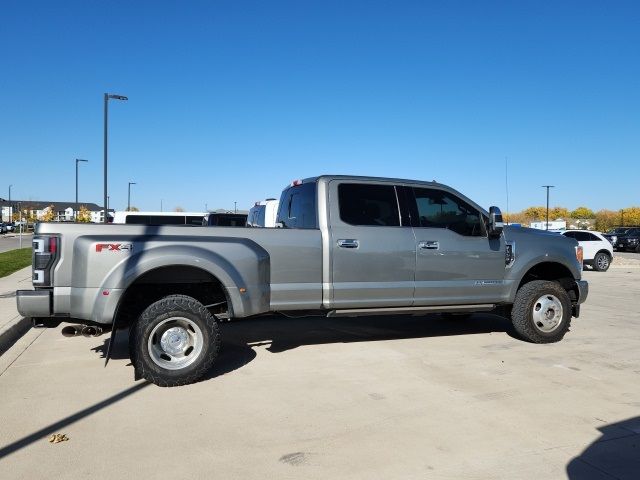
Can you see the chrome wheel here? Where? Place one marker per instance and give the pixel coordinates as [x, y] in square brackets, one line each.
[175, 343]
[547, 313]
[602, 262]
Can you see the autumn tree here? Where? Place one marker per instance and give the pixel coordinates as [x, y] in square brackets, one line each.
[631, 216]
[557, 212]
[132, 209]
[48, 214]
[84, 215]
[582, 213]
[178, 209]
[535, 213]
[606, 219]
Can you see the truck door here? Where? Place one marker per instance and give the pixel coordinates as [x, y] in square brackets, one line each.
[372, 255]
[456, 261]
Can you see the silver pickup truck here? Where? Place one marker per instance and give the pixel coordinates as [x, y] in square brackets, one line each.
[346, 246]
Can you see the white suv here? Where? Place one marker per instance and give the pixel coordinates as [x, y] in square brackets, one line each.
[598, 252]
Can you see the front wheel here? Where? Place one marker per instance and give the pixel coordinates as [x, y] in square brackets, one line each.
[175, 341]
[541, 311]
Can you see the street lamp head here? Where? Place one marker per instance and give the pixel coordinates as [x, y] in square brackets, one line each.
[81, 160]
[118, 97]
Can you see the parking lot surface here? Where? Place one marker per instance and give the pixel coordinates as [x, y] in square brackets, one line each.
[380, 397]
[10, 241]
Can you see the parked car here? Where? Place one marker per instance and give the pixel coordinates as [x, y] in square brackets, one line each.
[598, 252]
[3, 228]
[225, 219]
[613, 234]
[348, 246]
[629, 240]
[263, 214]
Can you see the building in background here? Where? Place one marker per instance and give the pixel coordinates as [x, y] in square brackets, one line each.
[62, 211]
[558, 224]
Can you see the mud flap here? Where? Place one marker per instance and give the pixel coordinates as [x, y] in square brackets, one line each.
[112, 340]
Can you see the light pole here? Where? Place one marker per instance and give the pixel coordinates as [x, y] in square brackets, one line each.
[10, 219]
[235, 207]
[548, 187]
[129, 196]
[107, 96]
[78, 160]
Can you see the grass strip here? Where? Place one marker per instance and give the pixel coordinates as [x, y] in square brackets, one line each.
[14, 260]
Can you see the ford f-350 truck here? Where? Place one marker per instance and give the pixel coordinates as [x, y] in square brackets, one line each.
[346, 246]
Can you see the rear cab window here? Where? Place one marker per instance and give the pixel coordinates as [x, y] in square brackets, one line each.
[298, 207]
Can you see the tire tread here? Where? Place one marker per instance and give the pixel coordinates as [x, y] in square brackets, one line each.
[168, 304]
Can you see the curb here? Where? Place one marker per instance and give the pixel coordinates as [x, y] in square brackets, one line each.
[13, 333]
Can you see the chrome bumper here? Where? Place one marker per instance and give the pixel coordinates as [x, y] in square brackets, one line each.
[34, 303]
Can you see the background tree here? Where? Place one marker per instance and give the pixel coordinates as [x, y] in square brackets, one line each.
[517, 217]
[606, 219]
[631, 216]
[49, 214]
[84, 215]
[582, 213]
[535, 213]
[132, 209]
[178, 209]
[557, 212]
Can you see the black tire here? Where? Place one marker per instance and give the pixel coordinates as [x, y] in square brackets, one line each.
[601, 262]
[174, 321]
[533, 297]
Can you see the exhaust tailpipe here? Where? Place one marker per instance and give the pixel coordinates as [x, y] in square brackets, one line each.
[91, 331]
[72, 331]
[84, 330]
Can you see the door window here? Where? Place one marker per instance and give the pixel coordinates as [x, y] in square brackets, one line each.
[440, 209]
[366, 204]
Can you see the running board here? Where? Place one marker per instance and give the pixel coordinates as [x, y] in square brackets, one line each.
[356, 312]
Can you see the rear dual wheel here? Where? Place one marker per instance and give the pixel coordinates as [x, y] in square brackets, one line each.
[174, 342]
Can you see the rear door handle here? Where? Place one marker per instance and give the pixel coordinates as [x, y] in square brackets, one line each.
[429, 245]
[348, 243]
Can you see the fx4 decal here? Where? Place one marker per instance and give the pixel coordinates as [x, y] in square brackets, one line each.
[114, 247]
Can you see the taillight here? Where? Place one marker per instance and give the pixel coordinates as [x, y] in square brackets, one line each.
[45, 252]
[579, 254]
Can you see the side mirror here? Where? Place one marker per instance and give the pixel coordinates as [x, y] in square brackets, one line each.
[495, 222]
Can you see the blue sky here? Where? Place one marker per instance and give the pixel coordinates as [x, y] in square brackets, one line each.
[231, 100]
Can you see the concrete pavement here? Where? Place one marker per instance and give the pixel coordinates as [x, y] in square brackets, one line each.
[371, 398]
[10, 241]
[12, 325]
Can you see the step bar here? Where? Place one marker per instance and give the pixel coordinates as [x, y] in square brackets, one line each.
[358, 312]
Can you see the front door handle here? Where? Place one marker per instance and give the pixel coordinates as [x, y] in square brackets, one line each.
[348, 243]
[429, 245]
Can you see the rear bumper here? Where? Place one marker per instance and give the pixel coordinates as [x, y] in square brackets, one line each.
[34, 303]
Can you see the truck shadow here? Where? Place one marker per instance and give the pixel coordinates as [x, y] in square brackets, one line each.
[280, 334]
[615, 454]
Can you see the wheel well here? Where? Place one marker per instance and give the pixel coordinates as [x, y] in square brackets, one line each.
[606, 252]
[555, 272]
[155, 284]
